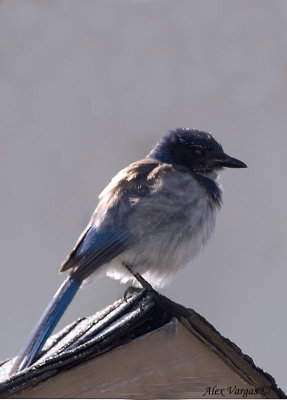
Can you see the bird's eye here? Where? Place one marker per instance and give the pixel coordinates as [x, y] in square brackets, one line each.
[197, 151]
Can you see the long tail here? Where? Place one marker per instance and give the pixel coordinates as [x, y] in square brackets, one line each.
[46, 325]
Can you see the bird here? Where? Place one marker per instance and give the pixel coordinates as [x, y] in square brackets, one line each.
[151, 219]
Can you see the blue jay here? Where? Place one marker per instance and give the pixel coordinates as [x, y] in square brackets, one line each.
[152, 219]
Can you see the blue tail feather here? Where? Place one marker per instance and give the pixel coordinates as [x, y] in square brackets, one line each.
[46, 325]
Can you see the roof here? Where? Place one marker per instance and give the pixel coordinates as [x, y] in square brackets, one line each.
[145, 316]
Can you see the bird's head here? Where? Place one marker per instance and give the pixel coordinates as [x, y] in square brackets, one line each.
[196, 150]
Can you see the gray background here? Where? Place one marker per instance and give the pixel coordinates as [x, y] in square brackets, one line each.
[87, 87]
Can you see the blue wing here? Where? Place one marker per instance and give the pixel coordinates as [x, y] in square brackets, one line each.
[106, 236]
[96, 249]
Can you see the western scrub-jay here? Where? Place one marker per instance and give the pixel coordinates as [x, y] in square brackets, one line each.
[152, 218]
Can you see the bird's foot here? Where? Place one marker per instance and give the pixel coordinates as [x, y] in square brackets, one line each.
[131, 291]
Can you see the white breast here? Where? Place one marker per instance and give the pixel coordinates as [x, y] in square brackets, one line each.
[171, 226]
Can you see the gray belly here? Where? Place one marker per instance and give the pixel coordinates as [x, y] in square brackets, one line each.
[169, 227]
[166, 243]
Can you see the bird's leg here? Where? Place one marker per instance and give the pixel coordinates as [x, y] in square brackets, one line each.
[139, 278]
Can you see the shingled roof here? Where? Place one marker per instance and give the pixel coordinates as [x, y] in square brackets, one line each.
[144, 347]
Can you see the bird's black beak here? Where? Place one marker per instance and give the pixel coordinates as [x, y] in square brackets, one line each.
[226, 161]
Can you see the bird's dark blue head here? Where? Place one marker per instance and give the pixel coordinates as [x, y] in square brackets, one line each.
[196, 150]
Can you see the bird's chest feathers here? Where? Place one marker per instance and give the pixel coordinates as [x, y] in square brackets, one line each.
[197, 223]
[176, 220]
